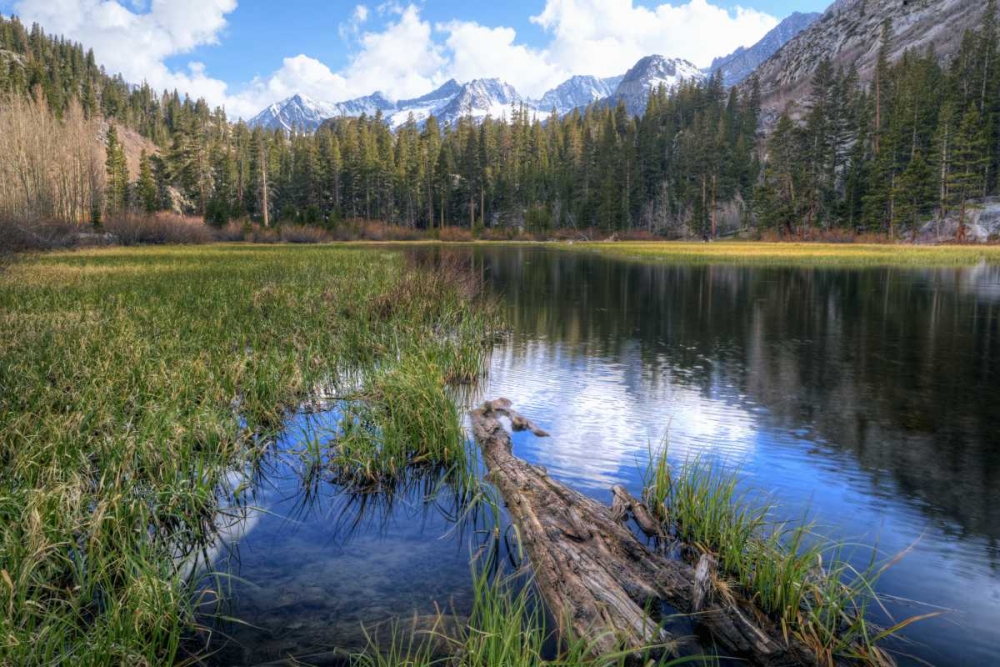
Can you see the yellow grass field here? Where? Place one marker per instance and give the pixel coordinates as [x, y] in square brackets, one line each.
[799, 254]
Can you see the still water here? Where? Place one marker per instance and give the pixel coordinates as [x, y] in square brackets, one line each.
[869, 399]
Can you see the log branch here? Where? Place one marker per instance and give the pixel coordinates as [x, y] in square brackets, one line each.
[597, 577]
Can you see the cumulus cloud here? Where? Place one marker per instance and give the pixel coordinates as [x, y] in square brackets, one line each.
[478, 51]
[402, 60]
[602, 38]
[136, 42]
[404, 55]
[606, 37]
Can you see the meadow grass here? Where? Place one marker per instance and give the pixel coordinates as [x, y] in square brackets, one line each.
[804, 581]
[832, 255]
[133, 380]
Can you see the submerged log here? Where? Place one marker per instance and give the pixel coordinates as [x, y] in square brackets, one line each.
[597, 577]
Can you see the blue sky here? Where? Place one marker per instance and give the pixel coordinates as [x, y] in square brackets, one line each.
[246, 54]
[252, 47]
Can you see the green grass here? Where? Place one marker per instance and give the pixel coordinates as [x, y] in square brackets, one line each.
[131, 380]
[404, 419]
[507, 627]
[846, 255]
[801, 579]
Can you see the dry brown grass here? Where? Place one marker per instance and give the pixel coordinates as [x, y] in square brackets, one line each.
[158, 229]
[303, 234]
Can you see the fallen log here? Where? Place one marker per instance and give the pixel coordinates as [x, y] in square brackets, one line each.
[643, 517]
[596, 576]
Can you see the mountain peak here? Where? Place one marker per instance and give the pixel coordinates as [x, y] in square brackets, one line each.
[648, 75]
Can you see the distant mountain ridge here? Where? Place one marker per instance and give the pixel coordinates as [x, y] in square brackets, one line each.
[449, 102]
[495, 97]
[741, 63]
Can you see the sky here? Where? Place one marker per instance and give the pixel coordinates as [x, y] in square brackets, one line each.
[248, 54]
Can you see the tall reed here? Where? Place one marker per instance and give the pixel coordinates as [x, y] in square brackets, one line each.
[805, 581]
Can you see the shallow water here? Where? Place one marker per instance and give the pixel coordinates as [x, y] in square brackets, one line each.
[869, 398]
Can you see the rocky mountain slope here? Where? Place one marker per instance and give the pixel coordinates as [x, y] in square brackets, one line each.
[649, 74]
[849, 33]
[742, 62]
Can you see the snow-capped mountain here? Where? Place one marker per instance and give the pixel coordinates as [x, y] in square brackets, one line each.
[452, 101]
[649, 74]
[481, 98]
[449, 103]
[577, 92]
[370, 105]
[741, 63]
[421, 108]
[297, 113]
[484, 97]
[302, 114]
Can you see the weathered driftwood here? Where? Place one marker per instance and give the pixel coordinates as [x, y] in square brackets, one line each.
[643, 517]
[595, 575]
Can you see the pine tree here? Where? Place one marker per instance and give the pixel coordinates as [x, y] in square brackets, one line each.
[146, 187]
[914, 194]
[966, 178]
[116, 172]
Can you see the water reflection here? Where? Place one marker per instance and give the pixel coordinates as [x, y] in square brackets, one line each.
[870, 396]
[306, 570]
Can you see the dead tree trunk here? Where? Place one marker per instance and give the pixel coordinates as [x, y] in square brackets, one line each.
[598, 578]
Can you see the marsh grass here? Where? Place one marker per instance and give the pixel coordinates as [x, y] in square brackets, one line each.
[804, 581]
[405, 418]
[832, 255]
[506, 627]
[134, 380]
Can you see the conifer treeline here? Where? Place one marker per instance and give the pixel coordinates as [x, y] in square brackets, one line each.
[917, 143]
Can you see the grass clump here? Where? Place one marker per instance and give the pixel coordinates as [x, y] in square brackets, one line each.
[802, 580]
[506, 627]
[831, 255]
[405, 418]
[132, 381]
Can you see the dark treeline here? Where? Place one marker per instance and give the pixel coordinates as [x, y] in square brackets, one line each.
[915, 144]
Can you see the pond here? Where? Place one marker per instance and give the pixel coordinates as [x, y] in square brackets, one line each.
[868, 400]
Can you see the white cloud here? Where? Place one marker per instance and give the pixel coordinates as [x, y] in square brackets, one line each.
[405, 56]
[351, 28]
[606, 37]
[403, 60]
[136, 43]
[481, 52]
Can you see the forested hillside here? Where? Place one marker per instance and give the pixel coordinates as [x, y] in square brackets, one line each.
[918, 144]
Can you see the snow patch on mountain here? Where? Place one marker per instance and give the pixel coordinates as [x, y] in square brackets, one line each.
[648, 75]
[482, 98]
[576, 93]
